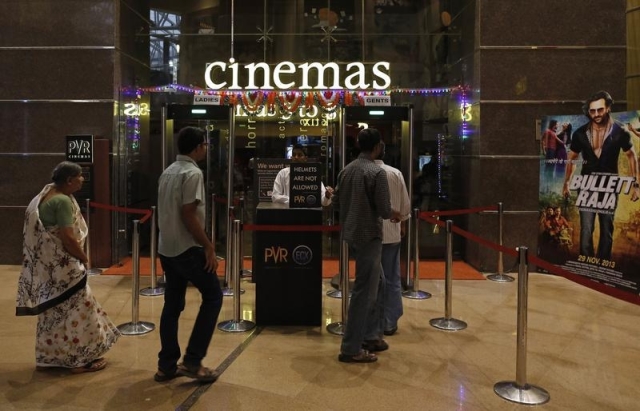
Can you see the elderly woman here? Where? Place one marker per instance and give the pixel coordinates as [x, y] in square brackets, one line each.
[73, 331]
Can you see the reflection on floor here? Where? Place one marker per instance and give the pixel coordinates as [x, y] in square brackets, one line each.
[583, 348]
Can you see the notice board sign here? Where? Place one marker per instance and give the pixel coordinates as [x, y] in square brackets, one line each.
[265, 172]
[305, 185]
[80, 148]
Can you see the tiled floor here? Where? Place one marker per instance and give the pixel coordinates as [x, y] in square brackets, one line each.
[583, 348]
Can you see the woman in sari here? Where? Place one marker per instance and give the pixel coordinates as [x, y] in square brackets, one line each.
[73, 331]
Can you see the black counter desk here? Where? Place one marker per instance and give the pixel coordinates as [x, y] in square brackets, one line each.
[287, 267]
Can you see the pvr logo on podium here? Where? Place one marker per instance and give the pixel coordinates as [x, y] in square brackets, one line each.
[276, 253]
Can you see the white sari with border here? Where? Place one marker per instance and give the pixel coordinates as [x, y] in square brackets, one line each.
[72, 329]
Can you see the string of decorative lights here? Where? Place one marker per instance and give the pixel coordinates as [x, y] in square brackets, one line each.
[253, 101]
[201, 91]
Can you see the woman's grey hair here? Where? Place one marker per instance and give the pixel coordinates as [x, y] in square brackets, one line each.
[64, 171]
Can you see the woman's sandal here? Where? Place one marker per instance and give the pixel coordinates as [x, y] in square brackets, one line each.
[93, 366]
[198, 372]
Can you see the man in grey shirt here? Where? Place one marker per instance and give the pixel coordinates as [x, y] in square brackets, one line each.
[187, 255]
[362, 195]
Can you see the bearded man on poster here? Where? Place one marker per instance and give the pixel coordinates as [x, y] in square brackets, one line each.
[600, 142]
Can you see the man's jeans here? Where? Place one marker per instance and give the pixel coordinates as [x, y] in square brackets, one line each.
[365, 317]
[605, 243]
[179, 270]
[393, 287]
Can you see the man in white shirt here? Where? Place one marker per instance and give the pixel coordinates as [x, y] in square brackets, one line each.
[392, 234]
[280, 193]
[187, 255]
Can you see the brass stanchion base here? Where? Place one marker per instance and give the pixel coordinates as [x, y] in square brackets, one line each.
[137, 328]
[416, 295]
[228, 292]
[448, 324]
[528, 394]
[500, 278]
[232, 326]
[336, 328]
[152, 292]
[94, 271]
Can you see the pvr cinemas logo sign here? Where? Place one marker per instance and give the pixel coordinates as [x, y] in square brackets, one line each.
[80, 149]
[301, 255]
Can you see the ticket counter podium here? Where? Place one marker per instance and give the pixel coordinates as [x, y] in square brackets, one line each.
[287, 267]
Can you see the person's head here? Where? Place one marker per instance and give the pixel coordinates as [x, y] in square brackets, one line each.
[553, 124]
[369, 141]
[558, 211]
[598, 106]
[67, 176]
[298, 154]
[192, 143]
[550, 210]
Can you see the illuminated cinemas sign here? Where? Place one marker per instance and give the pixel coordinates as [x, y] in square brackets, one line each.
[287, 75]
[80, 149]
[598, 192]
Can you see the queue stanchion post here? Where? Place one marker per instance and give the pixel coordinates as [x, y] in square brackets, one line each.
[136, 327]
[237, 324]
[337, 292]
[500, 276]
[336, 282]
[228, 289]
[87, 243]
[338, 328]
[214, 219]
[414, 292]
[519, 391]
[155, 289]
[448, 323]
[243, 272]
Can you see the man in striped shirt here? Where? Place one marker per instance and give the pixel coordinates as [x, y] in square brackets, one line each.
[362, 197]
[392, 234]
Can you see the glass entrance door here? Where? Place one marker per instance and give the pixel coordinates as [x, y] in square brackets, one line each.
[216, 121]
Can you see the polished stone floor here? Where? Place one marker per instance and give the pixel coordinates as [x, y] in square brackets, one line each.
[583, 348]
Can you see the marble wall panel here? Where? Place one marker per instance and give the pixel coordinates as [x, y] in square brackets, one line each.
[11, 246]
[29, 173]
[57, 74]
[518, 230]
[552, 23]
[565, 74]
[510, 129]
[512, 181]
[43, 23]
[42, 127]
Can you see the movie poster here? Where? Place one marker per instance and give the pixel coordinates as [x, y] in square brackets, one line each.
[589, 209]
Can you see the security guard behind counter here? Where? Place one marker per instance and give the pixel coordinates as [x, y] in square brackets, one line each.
[281, 186]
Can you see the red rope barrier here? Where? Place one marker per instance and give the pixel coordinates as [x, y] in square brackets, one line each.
[473, 237]
[585, 281]
[576, 278]
[424, 214]
[146, 213]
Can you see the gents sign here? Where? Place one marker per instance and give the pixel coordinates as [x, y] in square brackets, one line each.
[305, 185]
[377, 101]
[306, 76]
